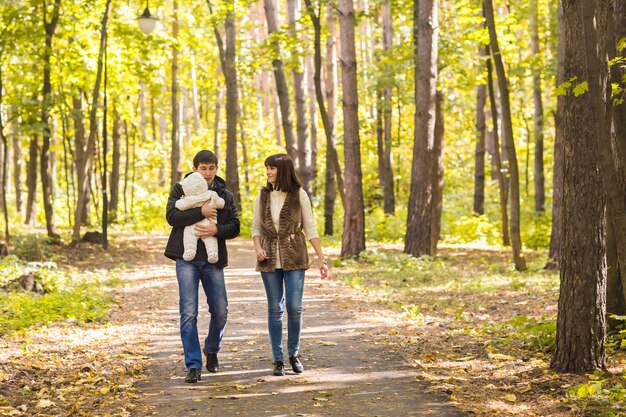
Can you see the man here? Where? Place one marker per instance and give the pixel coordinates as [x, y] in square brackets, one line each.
[190, 273]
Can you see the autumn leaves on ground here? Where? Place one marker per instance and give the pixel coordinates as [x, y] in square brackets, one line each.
[474, 329]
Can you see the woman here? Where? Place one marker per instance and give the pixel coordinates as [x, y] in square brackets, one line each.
[281, 213]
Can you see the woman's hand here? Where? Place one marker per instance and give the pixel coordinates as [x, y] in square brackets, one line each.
[261, 255]
[204, 231]
[324, 269]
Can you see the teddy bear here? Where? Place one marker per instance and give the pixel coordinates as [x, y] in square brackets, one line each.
[196, 194]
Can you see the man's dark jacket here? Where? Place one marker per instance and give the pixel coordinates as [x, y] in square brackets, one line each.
[227, 223]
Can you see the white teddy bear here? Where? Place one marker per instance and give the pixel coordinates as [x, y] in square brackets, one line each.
[196, 194]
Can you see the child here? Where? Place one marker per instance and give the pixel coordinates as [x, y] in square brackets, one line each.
[196, 194]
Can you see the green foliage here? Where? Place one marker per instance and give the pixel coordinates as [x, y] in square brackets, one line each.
[534, 334]
[600, 396]
[21, 310]
[381, 227]
[66, 296]
[33, 247]
[474, 229]
[569, 86]
[617, 337]
[149, 214]
[536, 230]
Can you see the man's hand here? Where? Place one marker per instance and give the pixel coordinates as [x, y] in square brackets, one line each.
[205, 231]
[209, 211]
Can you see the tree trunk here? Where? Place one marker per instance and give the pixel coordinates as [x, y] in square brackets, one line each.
[386, 177]
[499, 171]
[175, 172]
[353, 239]
[194, 94]
[312, 158]
[619, 111]
[298, 71]
[5, 166]
[244, 152]
[163, 169]
[479, 154]
[616, 288]
[80, 156]
[507, 136]
[31, 181]
[419, 217]
[580, 329]
[185, 117]
[328, 117]
[85, 155]
[281, 84]
[554, 253]
[232, 106]
[540, 194]
[17, 169]
[217, 136]
[45, 163]
[114, 183]
[143, 120]
[127, 168]
[438, 174]
[228, 55]
[328, 120]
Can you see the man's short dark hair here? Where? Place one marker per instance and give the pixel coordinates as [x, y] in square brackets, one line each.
[204, 157]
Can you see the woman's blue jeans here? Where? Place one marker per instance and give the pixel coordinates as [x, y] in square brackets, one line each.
[284, 288]
[189, 275]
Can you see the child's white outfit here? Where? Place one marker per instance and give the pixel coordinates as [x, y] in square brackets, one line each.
[196, 194]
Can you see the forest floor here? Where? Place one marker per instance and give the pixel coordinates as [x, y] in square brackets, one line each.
[362, 355]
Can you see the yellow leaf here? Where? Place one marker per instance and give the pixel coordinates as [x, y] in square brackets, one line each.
[500, 357]
[44, 404]
[510, 398]
[326, 343]
[104, 390]
[429, 357]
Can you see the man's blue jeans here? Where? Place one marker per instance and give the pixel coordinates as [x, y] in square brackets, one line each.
[189, 275]
[284, 287]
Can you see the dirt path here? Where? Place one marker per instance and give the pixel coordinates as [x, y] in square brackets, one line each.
[349, 371]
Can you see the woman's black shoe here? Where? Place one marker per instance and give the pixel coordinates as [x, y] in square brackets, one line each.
[279, 368]
[296, 364]
[193, 376]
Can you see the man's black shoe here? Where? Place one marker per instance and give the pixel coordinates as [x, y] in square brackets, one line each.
[296, 364]
[193, 376]
[279, 368]
[212, 365]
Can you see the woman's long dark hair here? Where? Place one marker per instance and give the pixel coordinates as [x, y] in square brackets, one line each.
[286, 177]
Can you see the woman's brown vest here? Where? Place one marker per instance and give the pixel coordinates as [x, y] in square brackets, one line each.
[290, 237]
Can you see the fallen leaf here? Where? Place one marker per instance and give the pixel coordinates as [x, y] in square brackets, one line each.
[44, 404]
[510, 398]
[500, 357]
